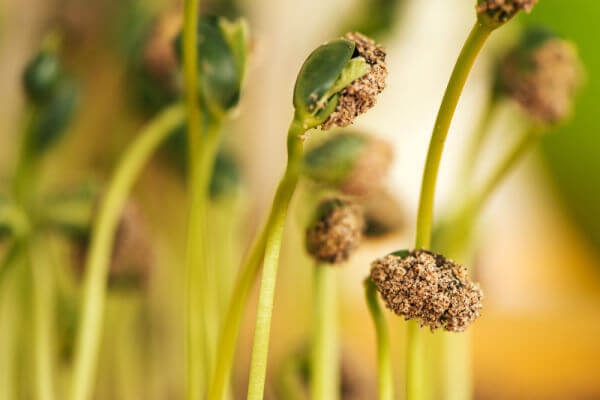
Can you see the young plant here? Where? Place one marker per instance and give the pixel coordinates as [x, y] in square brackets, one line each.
[491, 14]
[52, 98]
[338, 82]
[219, 49]
[335, 233]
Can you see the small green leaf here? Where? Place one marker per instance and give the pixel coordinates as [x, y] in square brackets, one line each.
[400, 253]
[319, 73]
[237, 35]
[52, 119]
[332, 160]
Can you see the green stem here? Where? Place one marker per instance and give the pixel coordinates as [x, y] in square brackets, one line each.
[251, 266]
[415, 384]
[43, 311]
[102, 238]
[201, 306]
[324, 383]
[385, 380]
[231, 325]
[10, 320]
[461, 225]
[475, 146]
[283, 196]
[190, 72]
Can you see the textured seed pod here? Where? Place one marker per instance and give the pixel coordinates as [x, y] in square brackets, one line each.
[336, 232]
[495, 13]
[222, 53]
[41, 76]
[428, 287]
[132, 257]
[383, 214]
[353, 163]
[339, 81]
[542, 75]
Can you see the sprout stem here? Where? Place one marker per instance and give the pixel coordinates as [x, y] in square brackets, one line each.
[415, 384]
[385, 380]
[43, 311]
[202, 313]
[283, 196]
[324, 382]
[102, 238]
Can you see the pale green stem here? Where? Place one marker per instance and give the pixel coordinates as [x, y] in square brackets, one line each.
[416, 381]
[10, 312]
[43, 312]
[325, 361]
[283, 196]
[201, 291]
[385, 379]
[128, 358]
[456, 368]
[250, 269]
[476, 143]
[102, 239]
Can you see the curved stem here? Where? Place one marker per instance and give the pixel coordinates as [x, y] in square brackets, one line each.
[475, 145]
[251, 266]
[43, 311]
[190, 72]
[385, 380]
[415, 384]
[283, 196]
[461, 224]
[103, 234]
[325, 363]
[231, 325]
[201, 295]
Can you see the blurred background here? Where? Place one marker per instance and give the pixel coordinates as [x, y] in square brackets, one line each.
[538, 242]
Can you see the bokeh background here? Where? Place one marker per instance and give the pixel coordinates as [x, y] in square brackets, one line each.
[538, 242]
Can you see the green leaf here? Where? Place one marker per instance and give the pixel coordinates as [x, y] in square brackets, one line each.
[237, 36]
[319, 73]
[332, 160]
[400, 253]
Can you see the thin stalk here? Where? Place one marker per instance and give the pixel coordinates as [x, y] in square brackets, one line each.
[476, 143]
[43, 312]
[10, 319]
[251, 266]
[461, 225]
[457, 375]
[325, 361]
[103, 234]
[231, 325]
[283, 196]
[201, 292]
[416, 381]
[385, 379]
[190, 73]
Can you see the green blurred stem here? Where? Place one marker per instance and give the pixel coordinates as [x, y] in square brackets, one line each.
[475, 146]
[324, 382]
[96, 271]
[202, 313]
[462, 223]
[283, 196]
[190, 72]
[416, 377]
[457, 374]
[229, 332]
[385, 380]
[43, 312]
[10, 318]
